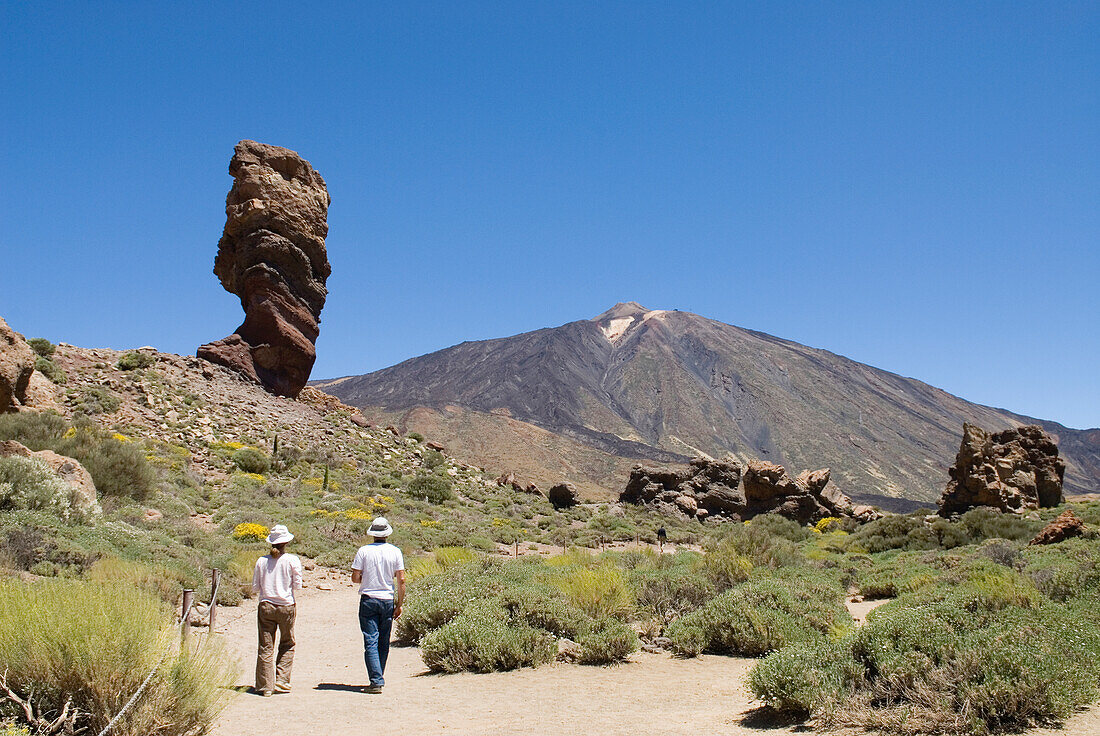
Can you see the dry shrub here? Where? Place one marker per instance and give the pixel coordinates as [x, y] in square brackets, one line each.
[95, 643]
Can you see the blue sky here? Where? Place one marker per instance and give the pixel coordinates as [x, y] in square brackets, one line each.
[913, 185]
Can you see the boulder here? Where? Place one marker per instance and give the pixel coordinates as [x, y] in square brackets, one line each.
[563, 495]
[16, 367]
[1067, 525]
[65, 468]
[435, 446]
[1016, 470]
[719, 488]
[272, 255]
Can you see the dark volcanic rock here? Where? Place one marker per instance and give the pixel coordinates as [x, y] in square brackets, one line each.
[711, 488]
[16, 367]
[1067, 525]
[1016, 470]
[272, 255]
[563, 495]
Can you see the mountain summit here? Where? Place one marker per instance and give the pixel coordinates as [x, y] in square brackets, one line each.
[585, 400]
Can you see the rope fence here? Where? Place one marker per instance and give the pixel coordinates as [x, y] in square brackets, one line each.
[184, 626]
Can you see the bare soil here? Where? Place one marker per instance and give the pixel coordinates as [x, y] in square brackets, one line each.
[651, 694]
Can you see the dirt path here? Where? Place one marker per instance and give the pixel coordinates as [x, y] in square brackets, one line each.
[653, 694]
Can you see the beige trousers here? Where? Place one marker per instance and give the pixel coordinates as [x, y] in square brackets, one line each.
[270, 618]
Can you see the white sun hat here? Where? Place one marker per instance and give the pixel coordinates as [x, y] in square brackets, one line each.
[279, 535]
[380, 527]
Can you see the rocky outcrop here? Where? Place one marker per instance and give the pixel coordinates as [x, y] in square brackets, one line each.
[563, 496]
[16, 367]
[719, 488]
[66, 468]
[1067, 525]
[272, 255]
[1016, 470]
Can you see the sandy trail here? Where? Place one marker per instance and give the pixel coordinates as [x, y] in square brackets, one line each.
[653, 693]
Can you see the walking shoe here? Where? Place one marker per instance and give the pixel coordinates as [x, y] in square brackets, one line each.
[281, 688]
[373, 689]
[266, 693]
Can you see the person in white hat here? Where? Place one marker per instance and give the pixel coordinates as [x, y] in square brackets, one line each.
[379, 570]
[276, 576]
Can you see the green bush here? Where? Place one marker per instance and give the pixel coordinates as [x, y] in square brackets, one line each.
[28, 483]
[601, 591]
[904, 532]
[431, 487]
[671, 590]
[756, 543]
[415, 436]
[608, 641]
[50, 370]
[94, 400]
[36, 430]
[433, 459]
[94, 644]
[483, 639]
[806, 677]
[781, 526]
[42, 347]
[133, 360]
[761, 616]
[251, 460]
[118, 468]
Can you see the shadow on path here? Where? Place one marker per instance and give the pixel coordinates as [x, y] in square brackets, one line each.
[340, 686]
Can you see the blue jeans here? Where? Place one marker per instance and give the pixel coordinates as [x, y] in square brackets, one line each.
[375, 621]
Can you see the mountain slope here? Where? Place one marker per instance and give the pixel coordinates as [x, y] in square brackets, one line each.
[666, 385]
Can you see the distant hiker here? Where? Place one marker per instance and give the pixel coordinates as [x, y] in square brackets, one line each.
[661, 538]
[276, 577]
[379, 568]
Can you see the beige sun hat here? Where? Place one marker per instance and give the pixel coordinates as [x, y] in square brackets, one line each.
[279, 535]
[380, 528]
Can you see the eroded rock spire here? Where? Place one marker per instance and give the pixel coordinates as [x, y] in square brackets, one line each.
[272, 255]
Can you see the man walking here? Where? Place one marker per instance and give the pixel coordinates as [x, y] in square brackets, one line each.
[276, 576]
[379, 569]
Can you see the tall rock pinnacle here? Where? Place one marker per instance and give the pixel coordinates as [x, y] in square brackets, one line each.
[272, 255]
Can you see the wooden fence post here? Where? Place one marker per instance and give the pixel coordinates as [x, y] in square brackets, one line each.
[215, 574]
[185, 626]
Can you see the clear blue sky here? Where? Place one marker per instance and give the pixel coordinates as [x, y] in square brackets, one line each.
[914, 185]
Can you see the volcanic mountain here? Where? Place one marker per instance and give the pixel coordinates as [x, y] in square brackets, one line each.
[584, 401]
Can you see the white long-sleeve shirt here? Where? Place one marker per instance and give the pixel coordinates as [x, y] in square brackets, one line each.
[276, 578]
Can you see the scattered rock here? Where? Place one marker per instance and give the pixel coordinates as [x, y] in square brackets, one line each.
[719, 488]
[272, 255]
[1067, 525]
[152, 515]
[65, 468]
[506, 479]
[435, 446]
[568, 650]
[1017, 470]
[16, 367]
[359, 420]
[563, 495]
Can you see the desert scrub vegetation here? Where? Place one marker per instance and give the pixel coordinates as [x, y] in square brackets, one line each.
[27, 483]
[486, 614]
[981, 638]
[762, 615]
[118, 467]
[133, 360]
[91, 645]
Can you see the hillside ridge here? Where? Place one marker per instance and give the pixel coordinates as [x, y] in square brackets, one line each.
[640, 384]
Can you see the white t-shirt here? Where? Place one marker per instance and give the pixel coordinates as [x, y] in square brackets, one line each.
[276, 578]
[378, 563]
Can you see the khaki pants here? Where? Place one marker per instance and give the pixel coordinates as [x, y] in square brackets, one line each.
[270, 617]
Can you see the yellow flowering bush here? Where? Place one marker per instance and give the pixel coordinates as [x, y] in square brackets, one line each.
[359, 514]
[121, 437]
[249, 532]
[826, 524]
[431, 523]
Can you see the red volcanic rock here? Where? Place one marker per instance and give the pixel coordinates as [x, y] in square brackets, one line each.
[1065, 526]
[16, 367]
[272, 255]
[1016, 470]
